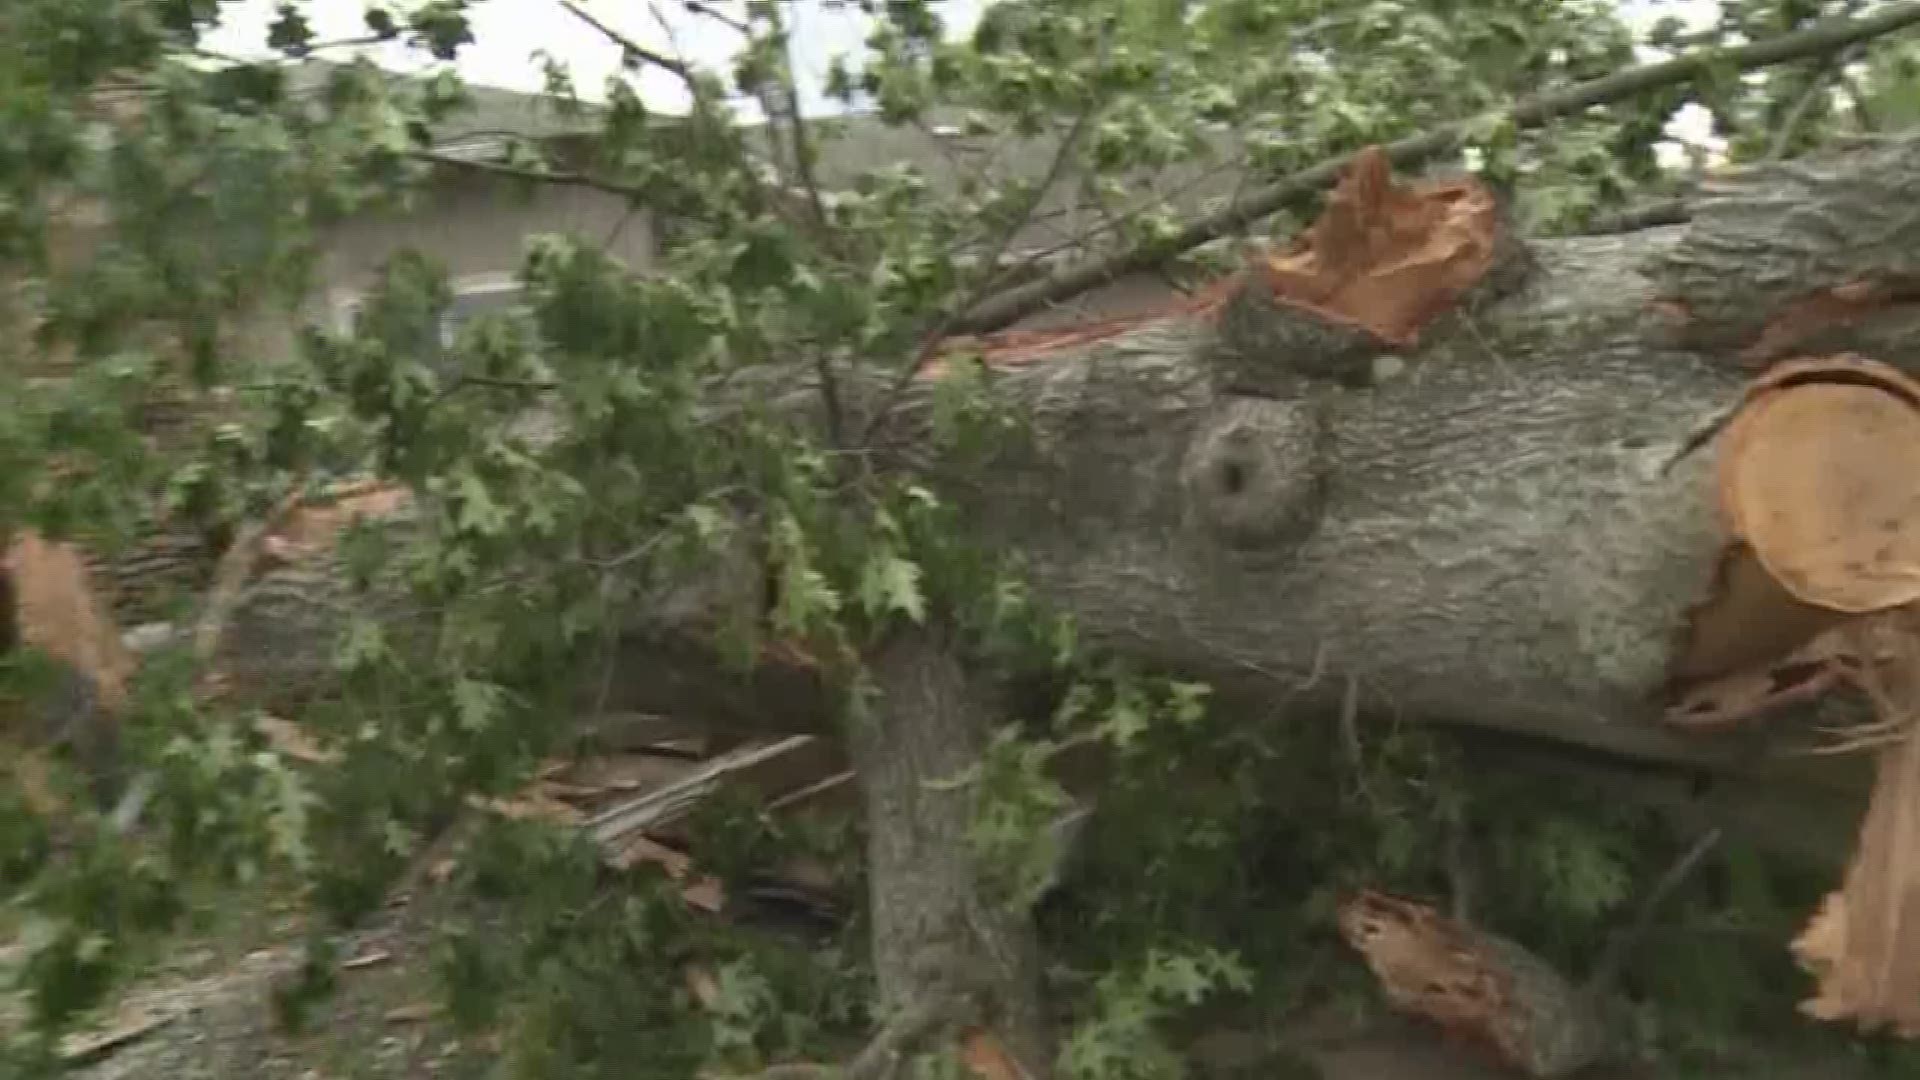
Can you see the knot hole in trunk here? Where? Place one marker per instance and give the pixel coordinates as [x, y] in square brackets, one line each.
[1255, 472]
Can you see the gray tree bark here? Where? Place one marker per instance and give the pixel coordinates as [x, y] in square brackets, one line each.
[1503, 527]
[946, 951]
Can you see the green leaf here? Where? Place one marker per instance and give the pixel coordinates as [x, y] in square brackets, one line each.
[890, 584]
[477, 512]
[363, 645]
[290, 32]
[476, 704]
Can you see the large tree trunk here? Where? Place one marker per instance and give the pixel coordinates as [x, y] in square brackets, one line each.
[1503, 527]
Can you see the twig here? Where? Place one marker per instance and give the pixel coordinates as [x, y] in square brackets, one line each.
[670, 801]
[86, 1051]
[1650, 216]
[1790, 124]
[538, 176]
[1607, 969]
[680, 68]
[882, 1056]
[1828, 67]
[231, 575]
[1828, 36]
[728, 21]
[992, 276]
[782, 86]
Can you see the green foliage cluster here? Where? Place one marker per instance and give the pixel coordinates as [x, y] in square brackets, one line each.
[572, 460]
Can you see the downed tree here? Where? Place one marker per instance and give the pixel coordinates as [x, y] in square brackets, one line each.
[1478, 477]
[1495, 510]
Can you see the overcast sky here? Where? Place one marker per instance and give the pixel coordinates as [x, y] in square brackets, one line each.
[511, 34]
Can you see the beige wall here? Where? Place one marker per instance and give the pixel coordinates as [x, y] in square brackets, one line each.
[478, 227]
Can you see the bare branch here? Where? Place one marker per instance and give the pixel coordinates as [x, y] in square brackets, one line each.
[680, 68]
[537, 176]
[993, 276]
[1652, 215]
[782, 102]
[721, 17]
[1613, 959]
[230, 578]
[1828, 36]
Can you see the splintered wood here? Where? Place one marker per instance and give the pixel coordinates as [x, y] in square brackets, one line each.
[1388, 257]
[1481, 990]
[1863, 946]
[1385, 257]
[1819, 489]
[51, 607]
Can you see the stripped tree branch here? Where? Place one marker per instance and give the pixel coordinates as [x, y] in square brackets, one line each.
[1829, 36]
[633, 49]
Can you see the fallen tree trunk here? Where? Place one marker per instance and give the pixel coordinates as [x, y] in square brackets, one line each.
[1472, 476]
[1504, 521]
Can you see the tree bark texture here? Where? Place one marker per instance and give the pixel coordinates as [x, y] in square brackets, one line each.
[940, 944]
[1504, 525]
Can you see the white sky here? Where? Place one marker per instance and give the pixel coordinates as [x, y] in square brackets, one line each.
[510, 35]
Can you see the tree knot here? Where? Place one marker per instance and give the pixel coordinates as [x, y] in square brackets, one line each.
[1255, 475]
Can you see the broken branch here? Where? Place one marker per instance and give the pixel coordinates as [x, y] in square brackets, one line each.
[1827, 37]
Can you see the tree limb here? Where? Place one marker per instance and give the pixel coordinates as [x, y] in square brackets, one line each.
[1829, 36]
[679, 68]
[538, 176]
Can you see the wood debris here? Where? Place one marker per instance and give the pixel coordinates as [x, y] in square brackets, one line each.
[82, 1049]
[289, 739]
[1481, 990]
[48, 604]
[1863, 945]
[1387, 257]
[1818, 482]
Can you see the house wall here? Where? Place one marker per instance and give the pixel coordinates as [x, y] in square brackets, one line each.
[478, 226]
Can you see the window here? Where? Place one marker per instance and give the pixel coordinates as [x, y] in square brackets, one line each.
[473, 295]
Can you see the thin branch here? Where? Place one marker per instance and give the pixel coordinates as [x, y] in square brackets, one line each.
[1790, 124]
[230, 577]
[1862, 111]
[797, 134]
[1827, 68]
[1650, 216]
[993, 277]
[1829, 36]
[782, 85]
[711, 12]
[538, 176]
[679, 68]
[1613, 959]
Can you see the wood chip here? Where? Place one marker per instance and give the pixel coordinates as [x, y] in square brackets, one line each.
[83, 1049]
